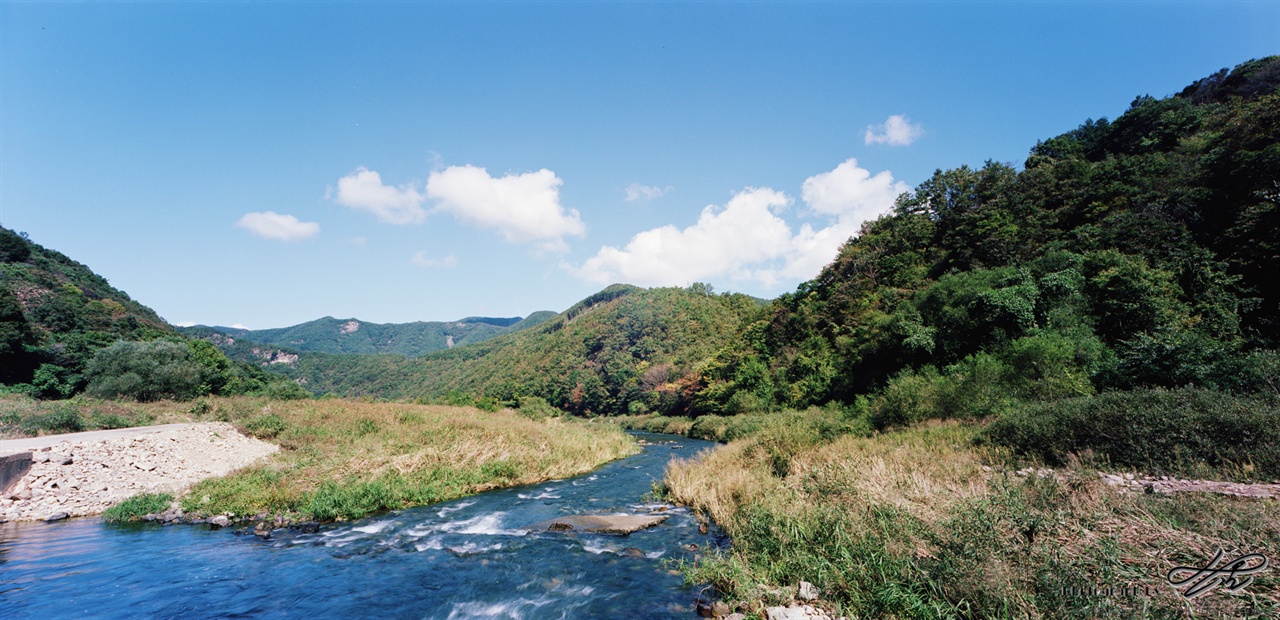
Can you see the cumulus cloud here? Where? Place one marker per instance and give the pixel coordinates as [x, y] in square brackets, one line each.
[747, 240]
[421, 259]
[272, 225]
[636, 191]
[851, 191]
[521, 207]
[724, 242]
[185, 323]
[364, 190]
[897, 130]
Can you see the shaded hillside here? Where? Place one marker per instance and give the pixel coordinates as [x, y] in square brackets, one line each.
[620, 346]
[330, 335]
[1140, 252]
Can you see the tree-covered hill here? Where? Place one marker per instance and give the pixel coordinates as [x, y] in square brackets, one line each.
[330, 335]
[65, 329]
[54, 310]
[624, 348]
[1139, 252]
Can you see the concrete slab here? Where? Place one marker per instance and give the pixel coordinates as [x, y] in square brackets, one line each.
[12, 468]
[599, 524]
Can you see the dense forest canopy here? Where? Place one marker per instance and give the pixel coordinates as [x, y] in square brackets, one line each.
[1136, 252]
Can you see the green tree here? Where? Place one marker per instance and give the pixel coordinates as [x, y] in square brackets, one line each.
[148, 371]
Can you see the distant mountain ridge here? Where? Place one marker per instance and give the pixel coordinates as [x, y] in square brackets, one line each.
[351, 335]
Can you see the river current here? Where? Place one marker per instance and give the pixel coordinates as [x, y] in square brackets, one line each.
[468, 558]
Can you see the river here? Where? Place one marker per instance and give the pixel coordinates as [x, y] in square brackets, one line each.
[467, 558]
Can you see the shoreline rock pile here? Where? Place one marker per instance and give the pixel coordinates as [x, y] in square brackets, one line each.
[79, 478]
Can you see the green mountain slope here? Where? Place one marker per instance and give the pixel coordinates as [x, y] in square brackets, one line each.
[330, 335]
[1140, 252]
[620, 346]
[64, 328]
[54, 310]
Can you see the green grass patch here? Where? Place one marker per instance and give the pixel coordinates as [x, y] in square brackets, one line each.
[138, 506]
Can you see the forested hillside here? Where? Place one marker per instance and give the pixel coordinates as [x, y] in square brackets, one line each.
[65, 329]
[622, 349]
[330, 335]
[1140, 252]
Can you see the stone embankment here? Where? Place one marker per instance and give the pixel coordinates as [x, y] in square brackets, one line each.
[78, 478]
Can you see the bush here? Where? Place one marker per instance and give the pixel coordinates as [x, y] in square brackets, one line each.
[1184, 431]
[285, 390]
[537, 408]
[65, 418]
[265, 426]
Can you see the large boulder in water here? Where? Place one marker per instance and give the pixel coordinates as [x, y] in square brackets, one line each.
[599, 524]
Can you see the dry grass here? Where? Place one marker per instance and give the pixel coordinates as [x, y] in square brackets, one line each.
[394, 455]
[910, 524]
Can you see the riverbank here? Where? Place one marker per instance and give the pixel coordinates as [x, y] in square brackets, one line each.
[82, 474]
[330, 459]
[930, 522]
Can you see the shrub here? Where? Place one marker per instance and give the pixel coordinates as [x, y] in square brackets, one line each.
[537, 408]
[265, 426]
[1180, 431]
[147, 371]
[285, 390]
[65, 418]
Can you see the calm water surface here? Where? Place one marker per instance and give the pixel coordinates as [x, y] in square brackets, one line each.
[462, 559]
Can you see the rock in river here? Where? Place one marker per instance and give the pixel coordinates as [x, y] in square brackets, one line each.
[599, 524]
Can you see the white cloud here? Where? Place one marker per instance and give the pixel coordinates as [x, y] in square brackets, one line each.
[238, 326]
[724, 242]
[897, 130]
[521, 207]
[747, 239]
[421, 259]
[636, 191]
[272, 225]
[185, 323]
[850, 191]
[363, 189]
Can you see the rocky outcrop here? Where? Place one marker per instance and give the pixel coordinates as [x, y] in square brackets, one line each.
[87, 477]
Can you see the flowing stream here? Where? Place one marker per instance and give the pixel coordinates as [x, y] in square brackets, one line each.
[468, 558]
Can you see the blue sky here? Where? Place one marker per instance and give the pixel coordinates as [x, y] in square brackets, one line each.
[267, 164]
